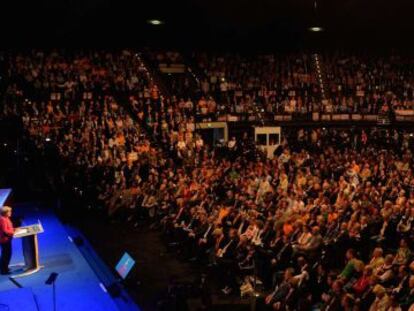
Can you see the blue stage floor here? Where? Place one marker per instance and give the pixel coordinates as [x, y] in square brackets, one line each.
[78, 287]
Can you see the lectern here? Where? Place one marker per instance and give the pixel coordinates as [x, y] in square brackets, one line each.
[28, 234]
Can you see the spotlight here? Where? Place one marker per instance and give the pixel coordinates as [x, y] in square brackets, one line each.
[315, 29]
[47, 139]
[155, 22]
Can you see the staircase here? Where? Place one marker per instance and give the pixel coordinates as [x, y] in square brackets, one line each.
[181, 78]
[153, 74]
[320, 73]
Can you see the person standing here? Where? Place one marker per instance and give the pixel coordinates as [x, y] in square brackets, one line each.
[6, 236]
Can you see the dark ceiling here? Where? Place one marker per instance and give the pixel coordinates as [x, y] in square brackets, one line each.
[207, 23]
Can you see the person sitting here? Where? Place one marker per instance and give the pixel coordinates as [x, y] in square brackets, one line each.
[332, 299]
[403, 253]
[313, 243]
[277, 298]
[385, 272]
[377, 258]
[353, 266]
[225, 257]
[362, 283]
[382, 300]
[408, 298]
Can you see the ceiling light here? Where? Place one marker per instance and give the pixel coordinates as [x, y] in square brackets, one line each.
[155, 22]
[315, 29]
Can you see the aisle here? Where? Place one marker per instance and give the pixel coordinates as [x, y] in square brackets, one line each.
[155, 267]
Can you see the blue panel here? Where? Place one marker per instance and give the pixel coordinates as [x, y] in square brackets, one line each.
[4, 194]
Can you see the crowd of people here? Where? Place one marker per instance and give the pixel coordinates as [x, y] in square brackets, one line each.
[77, 106]
[290, 83]
[274, 83]
[367, 84]
[326, 224]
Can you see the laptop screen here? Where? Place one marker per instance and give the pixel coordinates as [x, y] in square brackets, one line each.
[124, 266]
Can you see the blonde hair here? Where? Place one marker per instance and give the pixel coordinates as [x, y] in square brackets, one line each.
[5, 210]
[378, 289]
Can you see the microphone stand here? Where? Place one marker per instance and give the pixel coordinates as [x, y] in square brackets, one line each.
[52, 281]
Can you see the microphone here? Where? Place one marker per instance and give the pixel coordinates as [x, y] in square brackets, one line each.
[52, 278]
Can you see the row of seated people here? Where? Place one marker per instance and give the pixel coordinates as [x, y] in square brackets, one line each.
[60, 75]
[355, 83]
[322, 228]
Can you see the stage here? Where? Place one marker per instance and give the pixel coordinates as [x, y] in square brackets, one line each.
[78, 286]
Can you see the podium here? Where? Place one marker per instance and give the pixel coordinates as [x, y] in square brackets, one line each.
[28, 234]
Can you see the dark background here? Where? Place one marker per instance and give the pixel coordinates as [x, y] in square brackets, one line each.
[211, 24]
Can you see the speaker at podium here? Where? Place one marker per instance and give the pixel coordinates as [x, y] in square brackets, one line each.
[30, 247]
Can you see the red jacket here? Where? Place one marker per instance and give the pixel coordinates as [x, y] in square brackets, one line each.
[6, 229]
[361, 285]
